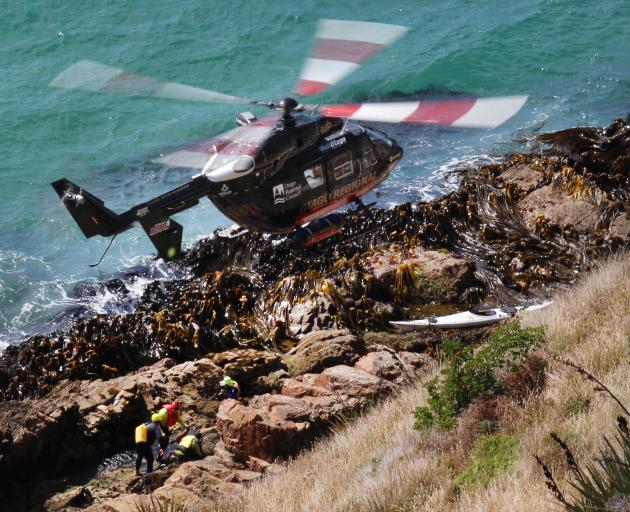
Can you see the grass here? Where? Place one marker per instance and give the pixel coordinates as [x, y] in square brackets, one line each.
[380, 463]
[491, 456]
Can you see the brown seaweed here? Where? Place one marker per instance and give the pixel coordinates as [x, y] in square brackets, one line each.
[243, 289]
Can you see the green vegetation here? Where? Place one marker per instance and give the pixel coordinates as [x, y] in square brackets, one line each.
[162, 505]
[491, 456]
[468, 375]
[411, 281]
[428, 286]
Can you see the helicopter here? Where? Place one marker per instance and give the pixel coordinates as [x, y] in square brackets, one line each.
[286, 172]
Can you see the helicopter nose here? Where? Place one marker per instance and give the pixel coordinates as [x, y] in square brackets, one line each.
[395, 151]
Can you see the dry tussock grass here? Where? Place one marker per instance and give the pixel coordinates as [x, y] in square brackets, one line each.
[589, 325]
[379, 463]
[376, 460]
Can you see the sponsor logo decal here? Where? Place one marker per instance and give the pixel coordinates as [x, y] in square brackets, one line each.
[278, 194]
[318, 202]
[332, 144]
[160, 227]
[224, 190]
[333, 136]
[322, 200]
[286, 192]
[142, 211]
[353, 185]
[314, 177]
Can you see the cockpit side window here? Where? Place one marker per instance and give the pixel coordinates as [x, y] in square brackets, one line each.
[342, 165]
[368, 158]
[314, 176]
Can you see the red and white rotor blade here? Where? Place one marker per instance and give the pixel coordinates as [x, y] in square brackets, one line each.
[339, 49]
[213, 156]
[463, 113]
[87, 75]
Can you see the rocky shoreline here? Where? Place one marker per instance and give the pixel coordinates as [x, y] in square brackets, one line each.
[305, 333]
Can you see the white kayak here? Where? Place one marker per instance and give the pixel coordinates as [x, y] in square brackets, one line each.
[465, 318]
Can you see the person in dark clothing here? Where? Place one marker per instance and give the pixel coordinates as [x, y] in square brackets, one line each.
[232, 389]
[146, 435]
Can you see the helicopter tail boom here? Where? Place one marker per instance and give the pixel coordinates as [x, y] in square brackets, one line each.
[88, 211]
[94, 218]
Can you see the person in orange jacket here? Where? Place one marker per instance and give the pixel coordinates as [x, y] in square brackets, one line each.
[168, 416]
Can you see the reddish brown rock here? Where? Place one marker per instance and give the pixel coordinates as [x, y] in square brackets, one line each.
[197, 481]
[313, 314]
[559, 208]
[414, 362]
[263, 429]
[621, 225]
[353, 382]
[524, 176]
[279, 426]
[95, 417]
[320, 349]
[247, 365]
[382, 364]
[304, 386]
[441, 275]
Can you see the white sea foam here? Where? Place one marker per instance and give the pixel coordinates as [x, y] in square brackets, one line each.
[38, 300]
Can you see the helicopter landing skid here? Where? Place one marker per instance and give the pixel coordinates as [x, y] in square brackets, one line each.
[361, 206]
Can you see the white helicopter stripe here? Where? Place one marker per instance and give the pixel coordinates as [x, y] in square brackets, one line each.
[465, 112]
[490, 112]
[326, 70]
[340, 46]
[378, 33]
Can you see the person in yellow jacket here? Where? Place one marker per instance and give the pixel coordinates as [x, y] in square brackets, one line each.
[167, 416]
[189, 448]
[146, 435]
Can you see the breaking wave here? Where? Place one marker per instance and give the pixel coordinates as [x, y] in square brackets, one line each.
[36, 299]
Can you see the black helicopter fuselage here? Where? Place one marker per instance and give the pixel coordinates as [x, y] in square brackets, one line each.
[306, 169]
[307, 166]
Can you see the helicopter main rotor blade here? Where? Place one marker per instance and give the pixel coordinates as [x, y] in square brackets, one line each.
[463, 113]
[92, 76]
[215, 157]
[339, 49]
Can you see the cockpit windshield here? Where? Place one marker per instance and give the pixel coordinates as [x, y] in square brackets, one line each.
[376, 136]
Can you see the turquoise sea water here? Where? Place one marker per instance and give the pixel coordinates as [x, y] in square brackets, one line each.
[571, 57]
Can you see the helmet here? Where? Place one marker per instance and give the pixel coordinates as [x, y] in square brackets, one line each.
[227, 381]
[155, 416]
[175, 405]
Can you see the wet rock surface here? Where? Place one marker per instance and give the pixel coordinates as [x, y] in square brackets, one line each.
[304, 333]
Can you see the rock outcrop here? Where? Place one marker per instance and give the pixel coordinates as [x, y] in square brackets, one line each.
[320, 349]
[440, 276]
[522, 225]
[279, 426]
[81, 420]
